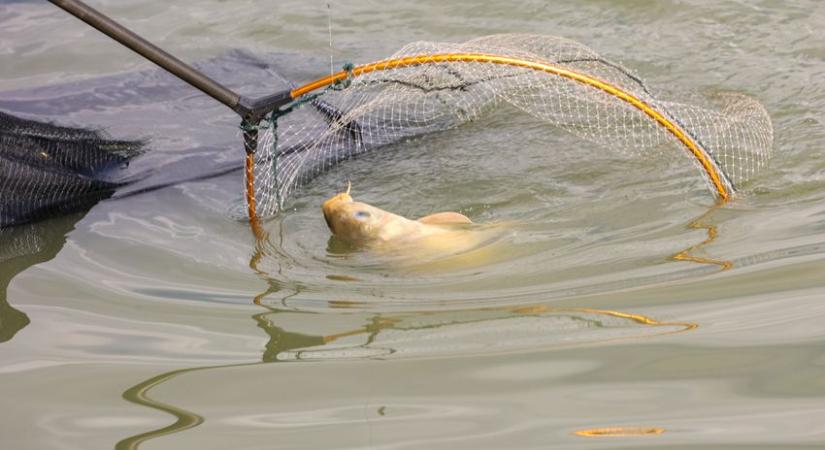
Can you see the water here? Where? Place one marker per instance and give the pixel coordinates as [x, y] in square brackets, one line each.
[157, 322]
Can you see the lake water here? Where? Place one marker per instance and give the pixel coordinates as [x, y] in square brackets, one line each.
[156, 321]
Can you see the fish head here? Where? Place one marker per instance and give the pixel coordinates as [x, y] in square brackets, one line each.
[357, 222]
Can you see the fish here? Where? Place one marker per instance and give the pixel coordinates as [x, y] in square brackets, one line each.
[368, 226]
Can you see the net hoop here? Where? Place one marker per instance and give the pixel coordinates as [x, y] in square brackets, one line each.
[717, 178]
[720, 182]
[251, 202]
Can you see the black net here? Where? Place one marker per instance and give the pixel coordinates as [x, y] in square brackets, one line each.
[47, 169]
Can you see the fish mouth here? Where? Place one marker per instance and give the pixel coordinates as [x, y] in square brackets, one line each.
[331, 205]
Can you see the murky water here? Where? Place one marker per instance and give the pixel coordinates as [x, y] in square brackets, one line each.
[158, 322]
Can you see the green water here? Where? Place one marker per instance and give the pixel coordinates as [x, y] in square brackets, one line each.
[158, 322]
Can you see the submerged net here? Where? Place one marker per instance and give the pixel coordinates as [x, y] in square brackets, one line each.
[428, 87]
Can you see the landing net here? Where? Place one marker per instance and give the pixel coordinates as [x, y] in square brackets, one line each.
[428, 87]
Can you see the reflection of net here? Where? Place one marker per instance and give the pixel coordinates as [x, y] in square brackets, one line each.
[555, 80]
[483, 331]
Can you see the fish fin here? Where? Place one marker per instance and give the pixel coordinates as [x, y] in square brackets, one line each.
[445, 218]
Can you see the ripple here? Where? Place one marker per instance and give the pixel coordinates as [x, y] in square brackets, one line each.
[496, 330]
[576, 318]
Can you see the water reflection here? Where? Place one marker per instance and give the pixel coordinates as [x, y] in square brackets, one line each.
[426, 330]
[20, 248]
[423, 333]
[618, 432]
[700, 223]
[138, 394]
[487, 330]
[416, 334]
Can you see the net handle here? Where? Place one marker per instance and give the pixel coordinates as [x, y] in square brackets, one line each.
[251, 110]
[720, 182]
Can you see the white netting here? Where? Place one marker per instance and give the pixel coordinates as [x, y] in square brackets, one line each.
[732, 133]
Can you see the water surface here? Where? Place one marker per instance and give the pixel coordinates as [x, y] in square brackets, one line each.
[156, 320]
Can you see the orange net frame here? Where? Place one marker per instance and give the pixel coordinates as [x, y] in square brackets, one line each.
[428, 87]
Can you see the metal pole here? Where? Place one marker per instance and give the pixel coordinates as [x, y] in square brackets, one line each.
[249, 109]
[153, 53]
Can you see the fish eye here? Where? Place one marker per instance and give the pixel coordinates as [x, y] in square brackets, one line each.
[361, 215]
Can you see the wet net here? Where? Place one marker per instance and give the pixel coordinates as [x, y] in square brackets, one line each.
[428, 87]
[48, 170]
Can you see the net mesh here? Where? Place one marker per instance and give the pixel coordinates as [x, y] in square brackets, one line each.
[427, 87]
[46, 169]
